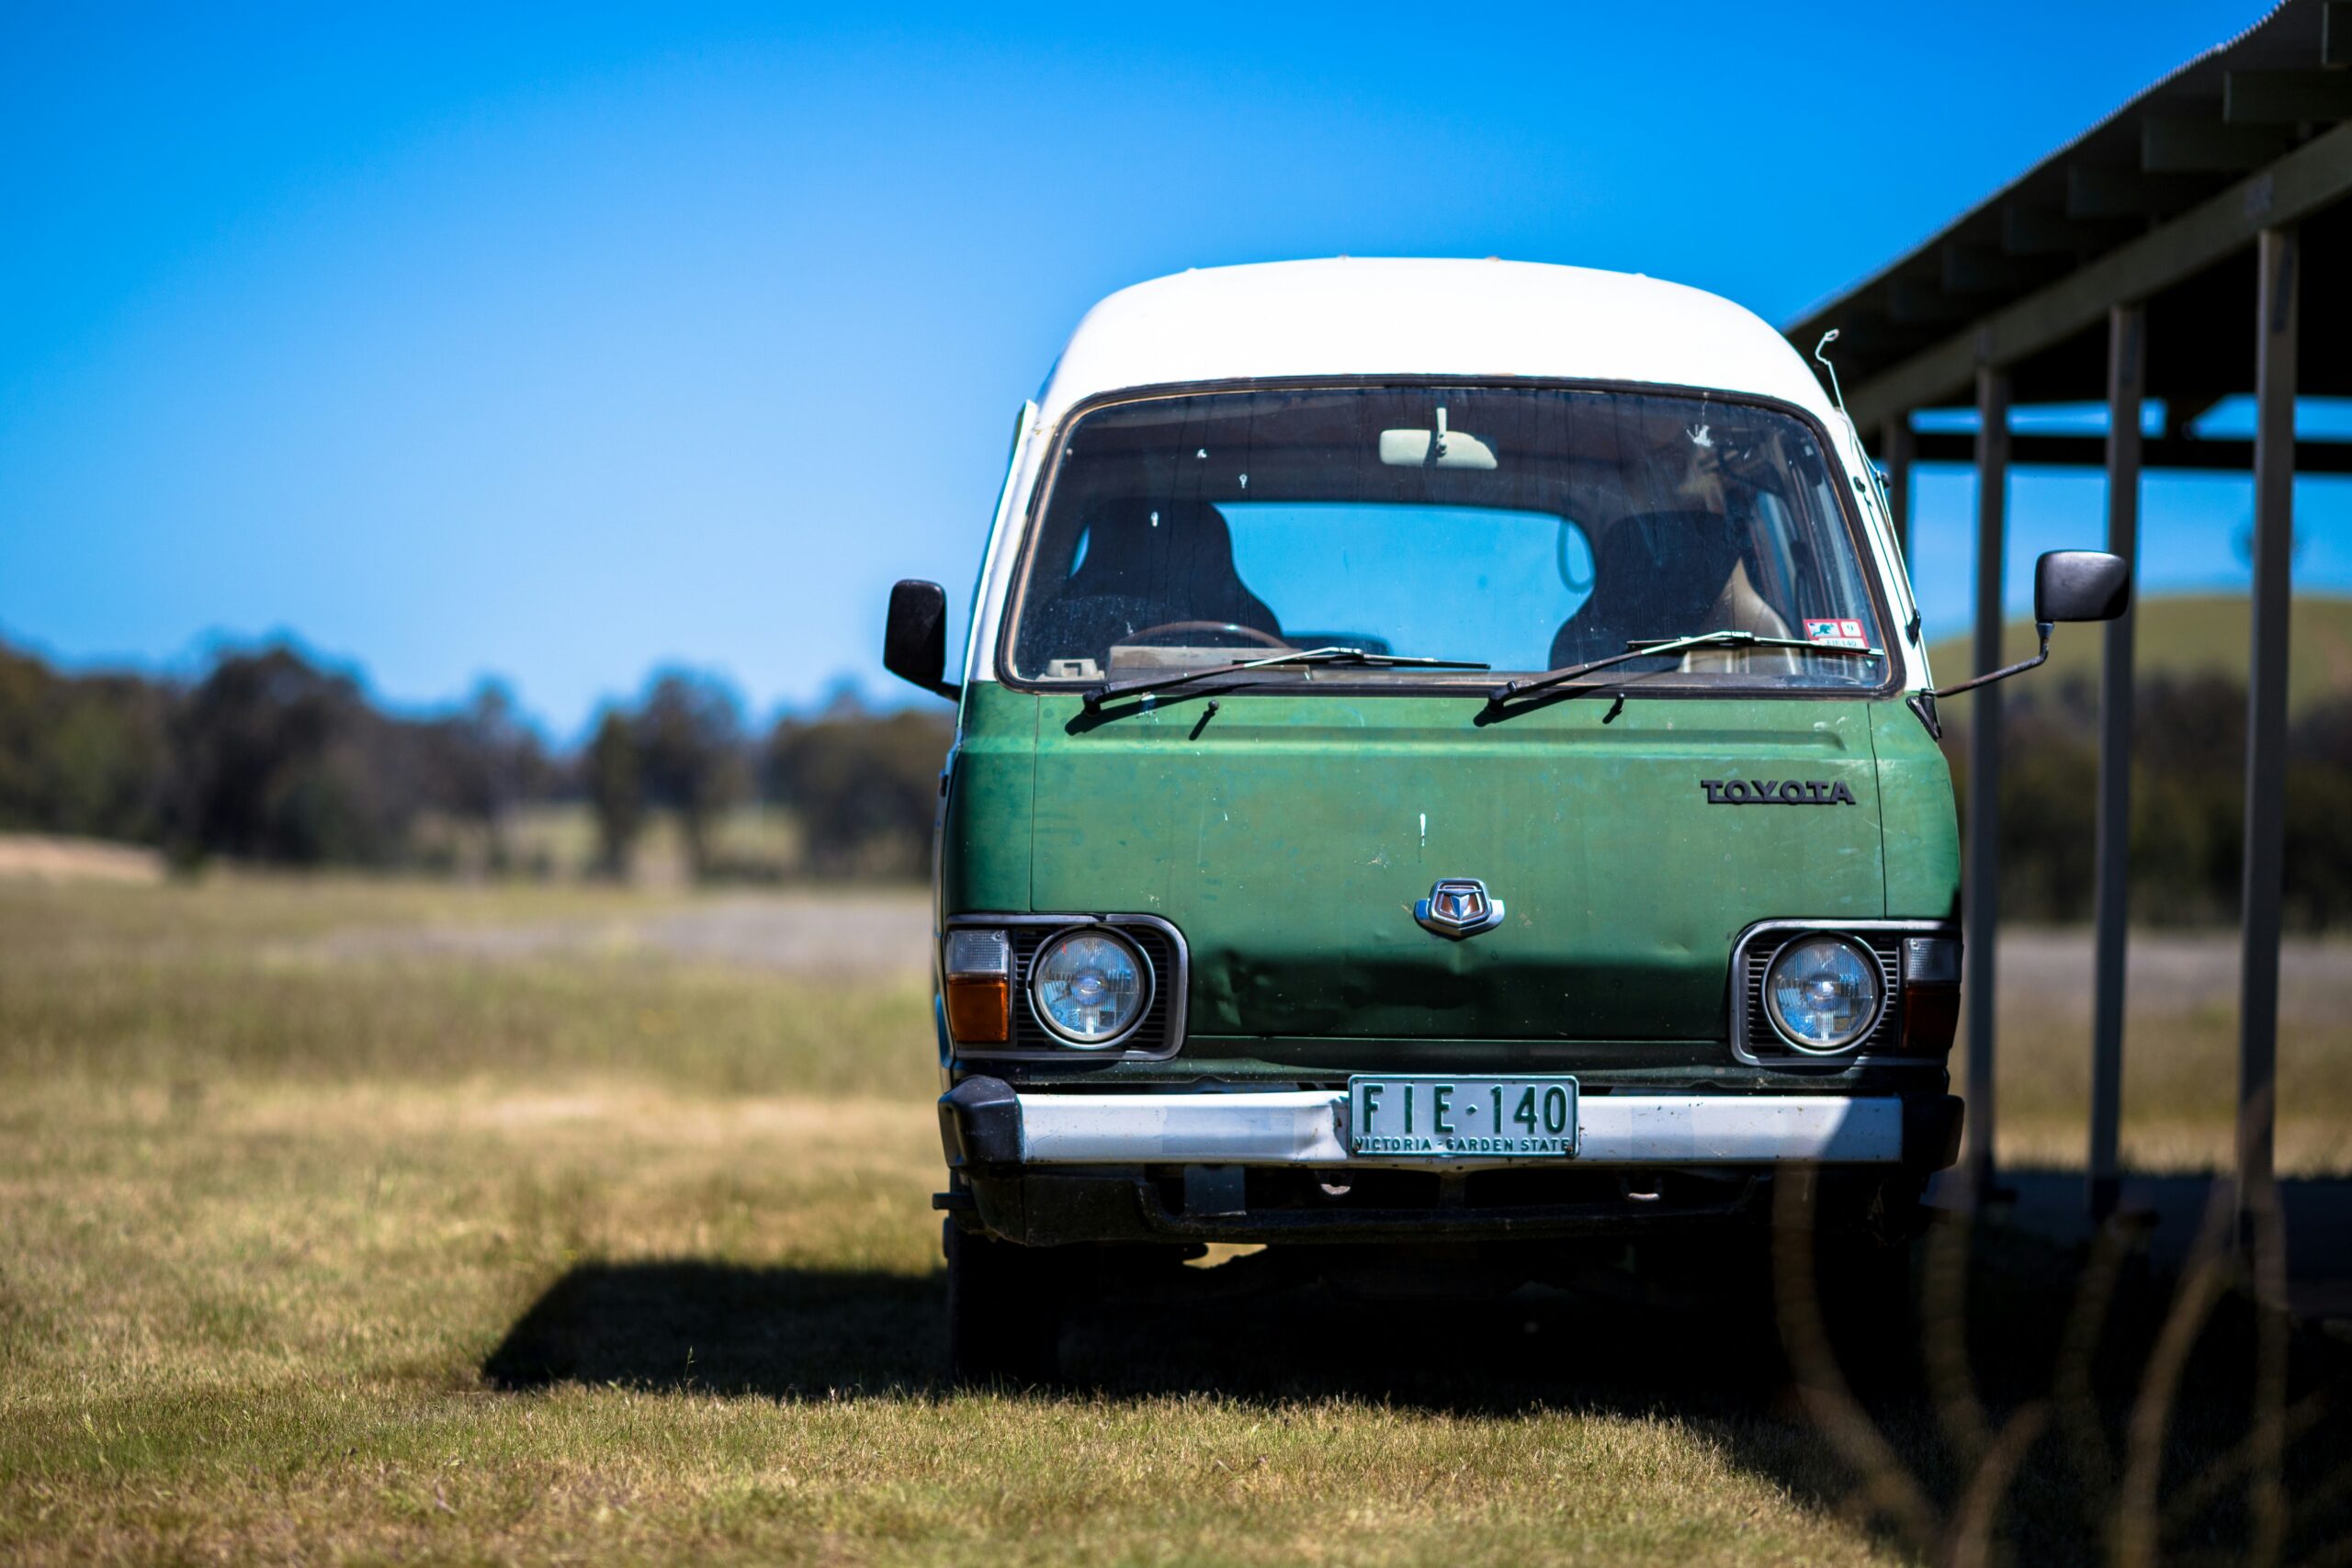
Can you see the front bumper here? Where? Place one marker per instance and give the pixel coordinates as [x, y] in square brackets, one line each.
[1047, 1169]
[985, 1122]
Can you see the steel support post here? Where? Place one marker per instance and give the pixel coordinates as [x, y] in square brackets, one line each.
[2278, 258]
[1981, 890]
[2127, 384]
[1896, 448]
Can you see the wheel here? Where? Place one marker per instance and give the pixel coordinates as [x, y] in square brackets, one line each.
[1866, 1303]
[1005, 1314]
[1855, 1237]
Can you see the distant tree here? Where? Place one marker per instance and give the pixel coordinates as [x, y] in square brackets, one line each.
[617, 789]
[690, 738]
[2188, 802]
[110, 758]
[482, 761]
[274, 759]
[863, 785]
[25, 683]
[2319, 814]
[86, 755]
[2048, 792]
[2188, 797]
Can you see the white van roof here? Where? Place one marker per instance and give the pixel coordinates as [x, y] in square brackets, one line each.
[1384, 316]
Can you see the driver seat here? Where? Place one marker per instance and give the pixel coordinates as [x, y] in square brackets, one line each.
[1146, 563]
[1663, 574]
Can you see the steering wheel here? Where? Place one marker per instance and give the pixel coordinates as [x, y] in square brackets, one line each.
[1248, 634]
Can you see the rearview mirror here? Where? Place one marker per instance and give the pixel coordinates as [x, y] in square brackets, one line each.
[1437, 448]
[2080, 585]
[914, 640]
[1434, 449]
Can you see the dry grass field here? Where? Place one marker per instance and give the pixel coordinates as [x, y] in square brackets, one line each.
[352, 1222]
[2180, 1051]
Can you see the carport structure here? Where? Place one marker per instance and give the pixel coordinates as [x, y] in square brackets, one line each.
[2195, 244]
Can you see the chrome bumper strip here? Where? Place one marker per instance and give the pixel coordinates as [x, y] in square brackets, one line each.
[1309, 1127]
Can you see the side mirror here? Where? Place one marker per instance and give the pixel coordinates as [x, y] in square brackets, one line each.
[914, 641]
[2080, 585]
[2068, 585]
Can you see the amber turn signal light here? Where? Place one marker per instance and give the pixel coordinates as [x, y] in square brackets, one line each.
[980, 986]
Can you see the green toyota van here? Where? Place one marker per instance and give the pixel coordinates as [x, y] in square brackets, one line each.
[1446, 773]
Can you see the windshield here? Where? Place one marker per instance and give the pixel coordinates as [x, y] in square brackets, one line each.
[1521, 528]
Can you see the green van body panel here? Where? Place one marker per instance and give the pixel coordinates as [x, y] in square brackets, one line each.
[984, 834]
[1922, 829]
[1288, 835]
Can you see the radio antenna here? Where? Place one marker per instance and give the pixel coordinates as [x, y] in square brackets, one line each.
[1878, 476]
[1826, 339]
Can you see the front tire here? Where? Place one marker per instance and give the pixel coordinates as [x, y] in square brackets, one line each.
[1867, 1305]
[1004, 1311]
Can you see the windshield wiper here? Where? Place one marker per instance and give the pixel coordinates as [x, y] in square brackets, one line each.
[1649, 647]
[1095, 696]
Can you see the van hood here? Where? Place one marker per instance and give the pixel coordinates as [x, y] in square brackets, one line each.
[1289, 839]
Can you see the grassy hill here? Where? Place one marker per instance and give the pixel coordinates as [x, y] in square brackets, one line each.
[2179, 635]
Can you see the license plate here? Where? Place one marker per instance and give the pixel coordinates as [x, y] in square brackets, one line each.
[1443, 1117]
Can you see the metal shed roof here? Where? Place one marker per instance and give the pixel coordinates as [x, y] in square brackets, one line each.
[2157, 204]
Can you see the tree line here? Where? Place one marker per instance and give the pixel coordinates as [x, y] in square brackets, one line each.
[269, 756]
[2187, 802]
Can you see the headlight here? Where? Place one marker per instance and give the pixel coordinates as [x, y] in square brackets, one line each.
[1090, 986]
[1822, 993]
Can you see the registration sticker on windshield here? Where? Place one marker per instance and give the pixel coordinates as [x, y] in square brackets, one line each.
[1836, 633]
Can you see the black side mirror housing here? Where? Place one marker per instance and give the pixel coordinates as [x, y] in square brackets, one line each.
[914, 640]
[2068, 585]
[2080, 585]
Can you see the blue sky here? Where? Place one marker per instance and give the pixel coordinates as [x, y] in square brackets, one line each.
[558, 342]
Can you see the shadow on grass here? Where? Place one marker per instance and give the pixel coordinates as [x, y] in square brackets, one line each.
[2042, 1404]
[780, 1333]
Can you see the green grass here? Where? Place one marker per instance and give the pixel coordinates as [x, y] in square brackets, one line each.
[328, 1249]
[2184, 634]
